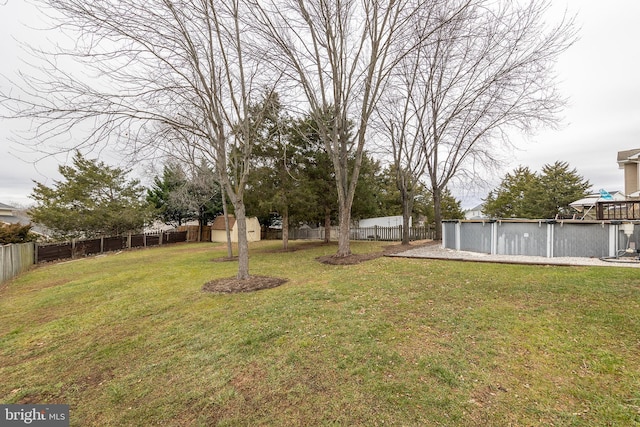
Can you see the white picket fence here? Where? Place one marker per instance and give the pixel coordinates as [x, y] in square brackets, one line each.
[15, 258]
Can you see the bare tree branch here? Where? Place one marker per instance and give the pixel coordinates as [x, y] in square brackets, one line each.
[485, 71]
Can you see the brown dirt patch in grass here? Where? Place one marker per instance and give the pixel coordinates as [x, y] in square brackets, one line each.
[232, 285]
[249, 379]
[34, 399]
[37, 287]
[358, 258]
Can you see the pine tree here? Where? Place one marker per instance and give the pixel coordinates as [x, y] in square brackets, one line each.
[93, 199]
[526, 194]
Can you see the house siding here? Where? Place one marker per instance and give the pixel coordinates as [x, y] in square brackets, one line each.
[630, 178]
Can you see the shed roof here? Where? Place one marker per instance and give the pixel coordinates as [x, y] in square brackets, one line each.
[218, 223]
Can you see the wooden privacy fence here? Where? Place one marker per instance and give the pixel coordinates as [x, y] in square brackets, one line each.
[80, 248]
[14, 259]
[197, 233]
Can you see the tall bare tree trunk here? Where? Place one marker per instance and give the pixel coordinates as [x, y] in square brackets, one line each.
[285, 228]
[327, 225]
[407, 207]
[225, 213]
[437, 212]
[243, 244]
[344, 233]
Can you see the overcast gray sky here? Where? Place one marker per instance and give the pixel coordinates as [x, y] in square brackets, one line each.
[599, 75]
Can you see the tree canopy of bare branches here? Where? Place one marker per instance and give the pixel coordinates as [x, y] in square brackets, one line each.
[486, 71]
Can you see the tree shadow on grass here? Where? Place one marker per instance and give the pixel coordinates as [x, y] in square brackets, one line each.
[225, 259]
[232, 285]
[359, 258]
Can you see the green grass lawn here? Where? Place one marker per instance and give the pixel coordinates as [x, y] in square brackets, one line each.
[129, 339]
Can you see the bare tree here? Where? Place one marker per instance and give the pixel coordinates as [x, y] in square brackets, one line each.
[225, 212]
[199, 194]
[396, 121]
[341, 54]
[155, 75]
[484, 72]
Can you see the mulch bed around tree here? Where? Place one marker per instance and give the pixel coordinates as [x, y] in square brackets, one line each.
[233, 285]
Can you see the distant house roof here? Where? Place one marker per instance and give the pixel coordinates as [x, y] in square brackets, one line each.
[628, 155]
[4, 206]
[475, 212]
[7, 214]
[17, 216]
[586, 202]
[218, 223]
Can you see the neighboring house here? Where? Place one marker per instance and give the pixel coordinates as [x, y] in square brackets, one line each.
[158, 226]
[390, 227]
[475, 212]
[219, 233]
[12, 215]
[629, 161]
[7, 214]
[382, 221]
